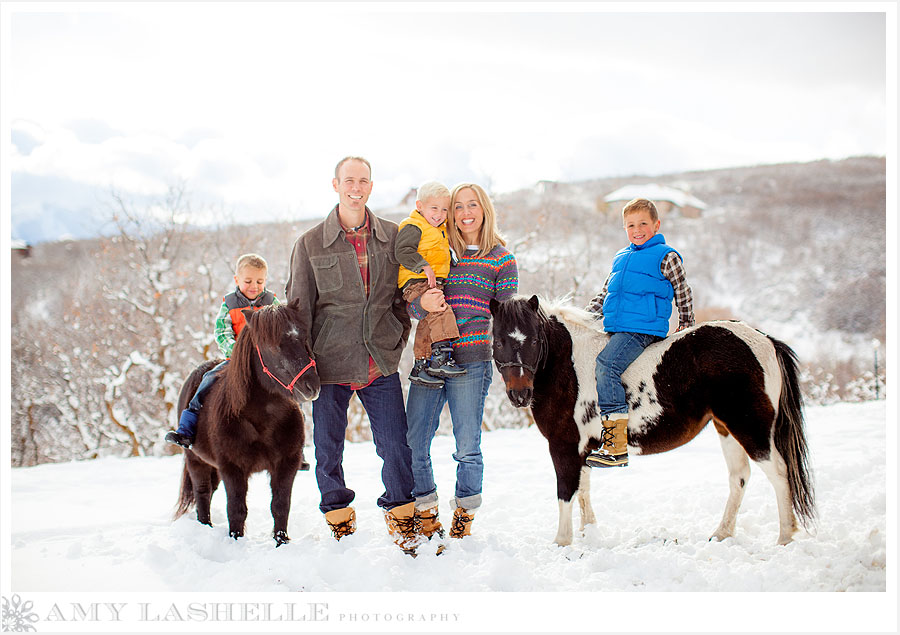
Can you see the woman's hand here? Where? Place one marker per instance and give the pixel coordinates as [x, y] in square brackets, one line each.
[433, 301]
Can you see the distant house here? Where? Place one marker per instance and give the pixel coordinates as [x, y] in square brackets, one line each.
[546, 187]
[20, 248]
[403, 207]
[409, 201]
[667, 199]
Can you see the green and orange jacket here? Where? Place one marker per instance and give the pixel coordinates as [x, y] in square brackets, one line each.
[231, 320]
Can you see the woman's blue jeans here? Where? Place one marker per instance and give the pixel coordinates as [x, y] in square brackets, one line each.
[622, 349]
[465, 395]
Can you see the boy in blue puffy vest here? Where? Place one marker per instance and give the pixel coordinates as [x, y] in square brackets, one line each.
[635, 305]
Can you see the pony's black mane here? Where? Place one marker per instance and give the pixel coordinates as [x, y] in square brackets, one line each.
[519, 310]
[270, 323]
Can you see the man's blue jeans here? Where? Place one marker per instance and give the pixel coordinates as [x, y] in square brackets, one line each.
[383, 401]
[616, 356]
[465, 395]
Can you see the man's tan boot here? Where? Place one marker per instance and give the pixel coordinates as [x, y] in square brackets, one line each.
[462, 523]
[342, 521]
[613, 452]
[405, 527]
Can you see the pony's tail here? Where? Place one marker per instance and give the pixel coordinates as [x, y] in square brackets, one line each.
[790, 437]
[186, 496]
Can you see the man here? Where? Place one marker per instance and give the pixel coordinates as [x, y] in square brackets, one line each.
[345, 274]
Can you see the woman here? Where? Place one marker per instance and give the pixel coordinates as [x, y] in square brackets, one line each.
[482, 269]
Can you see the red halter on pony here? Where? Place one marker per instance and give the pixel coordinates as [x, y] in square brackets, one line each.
[289, 387]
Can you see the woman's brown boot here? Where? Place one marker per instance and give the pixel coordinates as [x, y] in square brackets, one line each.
[462, 523]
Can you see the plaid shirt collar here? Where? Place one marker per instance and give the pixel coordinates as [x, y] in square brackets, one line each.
[333, 228]
[361, 232]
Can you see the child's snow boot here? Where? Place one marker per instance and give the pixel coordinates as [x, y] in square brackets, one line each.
[420, 376]
[614, 450]
[442, 363]
[187, 427]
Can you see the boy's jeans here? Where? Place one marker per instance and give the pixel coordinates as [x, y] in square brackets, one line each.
[466, 395]
[616, 356]
[188, 426]
[383, 401]
[209, 378]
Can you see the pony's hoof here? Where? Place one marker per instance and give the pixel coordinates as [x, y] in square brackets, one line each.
[236, 534]
[281, 538]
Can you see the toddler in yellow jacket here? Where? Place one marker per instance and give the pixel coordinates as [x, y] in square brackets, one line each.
[423, 251]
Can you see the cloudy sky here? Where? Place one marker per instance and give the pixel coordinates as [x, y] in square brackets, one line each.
[252, 106]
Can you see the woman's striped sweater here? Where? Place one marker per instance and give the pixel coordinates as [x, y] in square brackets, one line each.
[472, 282]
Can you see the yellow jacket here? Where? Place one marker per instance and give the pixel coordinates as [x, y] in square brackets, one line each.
[433, 247]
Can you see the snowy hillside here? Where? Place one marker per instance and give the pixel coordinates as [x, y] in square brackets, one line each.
[104, 526]
[776, 247]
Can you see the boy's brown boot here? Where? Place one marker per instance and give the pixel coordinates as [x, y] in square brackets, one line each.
[341, 521]
[462, 523]
[613, 452]
[405, 527]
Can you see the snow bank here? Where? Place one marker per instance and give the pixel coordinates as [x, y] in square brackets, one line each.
[105, 527]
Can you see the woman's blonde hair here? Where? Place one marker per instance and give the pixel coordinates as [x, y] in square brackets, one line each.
[490, 236]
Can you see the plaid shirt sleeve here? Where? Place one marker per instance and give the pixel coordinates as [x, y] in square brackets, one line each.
[673, 269]
[596, 304]
[224, 331]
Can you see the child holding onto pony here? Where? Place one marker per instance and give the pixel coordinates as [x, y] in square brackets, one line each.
[423, 251]
[635, 305]
[250, 273]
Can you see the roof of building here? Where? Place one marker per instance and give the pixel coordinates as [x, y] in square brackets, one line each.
[655, 192]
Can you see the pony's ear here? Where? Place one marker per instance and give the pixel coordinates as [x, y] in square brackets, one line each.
[533, 302]
[295, 303]
[248, 313]
[494, 306]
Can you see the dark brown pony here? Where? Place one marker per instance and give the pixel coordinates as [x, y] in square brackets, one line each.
[742, 380]
[251, 420]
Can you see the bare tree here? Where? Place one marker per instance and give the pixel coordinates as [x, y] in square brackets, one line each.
[158, 303]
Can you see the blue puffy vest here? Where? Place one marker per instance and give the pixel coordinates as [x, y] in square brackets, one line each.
[638, 297]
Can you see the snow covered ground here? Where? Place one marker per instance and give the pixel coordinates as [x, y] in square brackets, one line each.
[105, 527]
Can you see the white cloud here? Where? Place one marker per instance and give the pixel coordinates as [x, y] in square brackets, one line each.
[253, 105]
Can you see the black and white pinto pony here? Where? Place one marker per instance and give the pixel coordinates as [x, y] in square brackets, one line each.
[251, 420]
[742, 380]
